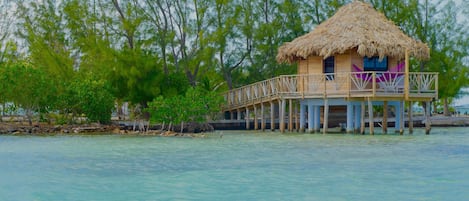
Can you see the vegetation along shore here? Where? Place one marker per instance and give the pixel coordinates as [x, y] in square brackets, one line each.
[169, 62]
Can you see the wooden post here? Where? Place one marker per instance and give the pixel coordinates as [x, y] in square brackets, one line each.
[349, 127]
[282, 115]
[362, 118]
[302, 118]
[357, 121]
[310, 118]
[371, 121]
[238, 114]
[297, 123]
[272, 116]
[262, 117]
[406, 76]
[385, 117]
[231, 115]
[373, 76]
[317, 119]
[290, 115]
[256, 124]
[326, 116]
[247, 119]
[411, 121]
[427, 118]
[401, 113]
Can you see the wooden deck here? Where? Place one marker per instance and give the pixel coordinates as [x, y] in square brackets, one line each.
[348, 85]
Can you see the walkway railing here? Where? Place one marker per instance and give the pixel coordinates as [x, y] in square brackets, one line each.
[347, 84]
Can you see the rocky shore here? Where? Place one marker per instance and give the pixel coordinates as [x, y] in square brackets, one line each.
[190, 129]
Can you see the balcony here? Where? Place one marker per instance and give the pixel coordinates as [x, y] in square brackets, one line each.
[350, 85]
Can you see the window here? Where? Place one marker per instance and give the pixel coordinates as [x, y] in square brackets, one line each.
[374, 64]
[328, 65]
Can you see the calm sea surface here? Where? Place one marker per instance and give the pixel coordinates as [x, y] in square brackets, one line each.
[238, 166]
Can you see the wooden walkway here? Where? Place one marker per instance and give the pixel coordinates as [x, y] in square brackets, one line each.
[348, 86]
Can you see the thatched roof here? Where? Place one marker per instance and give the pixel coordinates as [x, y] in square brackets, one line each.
[355, 26]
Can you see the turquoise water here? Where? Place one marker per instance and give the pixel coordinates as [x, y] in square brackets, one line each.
[238, 166]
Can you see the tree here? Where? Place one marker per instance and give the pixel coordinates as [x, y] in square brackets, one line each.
[448, 42]
[7, 45]
[197, 105]
[46, 38]
[29, 88]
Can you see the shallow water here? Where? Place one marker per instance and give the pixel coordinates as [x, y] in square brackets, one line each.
[238, 166]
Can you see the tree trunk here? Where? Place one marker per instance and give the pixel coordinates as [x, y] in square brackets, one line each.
[182, 127]
[29, 116]
[446, 107]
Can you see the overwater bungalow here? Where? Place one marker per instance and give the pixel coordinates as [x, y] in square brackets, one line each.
[353, 61]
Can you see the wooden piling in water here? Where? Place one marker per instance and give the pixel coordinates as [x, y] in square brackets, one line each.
[256, 124]
[362, 118]
[326, 116]
[247, 119]
[371, 122]
[302, 118]
[411, 121]
[272, 116]
[297, 123]
[401, 119]
[311, 119]
[427, 118]
[385, 117]
[262, 117]
[290, 115]
[282, 115]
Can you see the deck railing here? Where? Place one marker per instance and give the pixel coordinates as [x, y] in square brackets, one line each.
[346, 84]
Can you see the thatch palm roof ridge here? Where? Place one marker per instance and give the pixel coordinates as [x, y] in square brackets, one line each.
[355, 26]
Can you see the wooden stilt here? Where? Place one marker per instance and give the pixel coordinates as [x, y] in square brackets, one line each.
[262, 117]
[411, 121]
[349, 126]
[357, 121]
[326, 116]
[282, 115]
[401, 119]
[397, 122]
[256, 124]
[272, 116]
[385, 117]
[371, 121]
[362, 118]
[427, 118]
[290, 115]
[247, 119]
[317, 119]
[231, 115]
[310, 118]
[302, 118]
[238, 114]
[297, 123]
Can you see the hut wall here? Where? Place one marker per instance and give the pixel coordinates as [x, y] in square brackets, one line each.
[343, 62]
[303, 67]
[356, 59]
[392, 62]
[315, 65]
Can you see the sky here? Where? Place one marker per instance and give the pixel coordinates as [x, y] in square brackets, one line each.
[464, 100]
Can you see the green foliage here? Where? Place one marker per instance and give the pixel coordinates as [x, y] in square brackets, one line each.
[90, 97]
[174, 84]
[146, 49]
[28, 87]
[196, 105]
[137, 76]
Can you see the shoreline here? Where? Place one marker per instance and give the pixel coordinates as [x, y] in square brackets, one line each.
[44, 129]
[190, 130]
